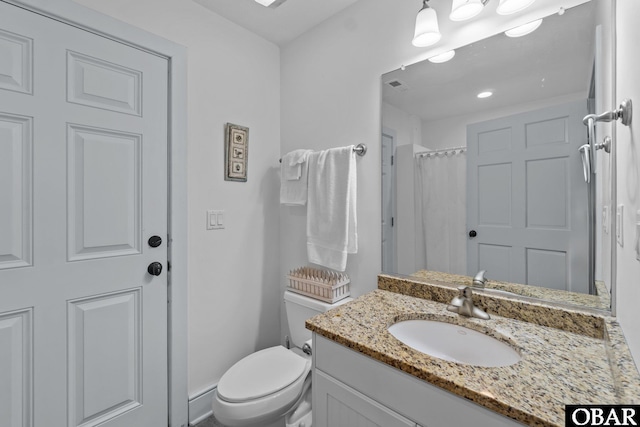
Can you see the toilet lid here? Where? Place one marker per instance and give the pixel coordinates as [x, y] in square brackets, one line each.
[261, 374]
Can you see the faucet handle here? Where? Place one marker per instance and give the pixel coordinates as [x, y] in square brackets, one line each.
[479, 280]
[465, 291]
[458, 300]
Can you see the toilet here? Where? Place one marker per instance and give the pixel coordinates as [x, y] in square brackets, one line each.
[272, 387]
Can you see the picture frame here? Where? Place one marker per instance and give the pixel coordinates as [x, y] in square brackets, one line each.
[236, 152]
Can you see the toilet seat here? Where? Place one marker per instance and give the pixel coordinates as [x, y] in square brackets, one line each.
[263, 385]
[261, 374]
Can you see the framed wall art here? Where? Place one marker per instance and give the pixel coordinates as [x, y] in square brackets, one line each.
[236, 152]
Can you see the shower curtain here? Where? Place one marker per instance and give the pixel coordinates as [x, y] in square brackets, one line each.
[441, 211]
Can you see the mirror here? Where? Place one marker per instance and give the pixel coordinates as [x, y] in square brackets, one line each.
[499, 183]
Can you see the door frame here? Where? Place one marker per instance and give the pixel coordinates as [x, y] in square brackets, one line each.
[69, 12]
[392, 134]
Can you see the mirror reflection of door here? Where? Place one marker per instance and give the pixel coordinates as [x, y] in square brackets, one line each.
[527, 198]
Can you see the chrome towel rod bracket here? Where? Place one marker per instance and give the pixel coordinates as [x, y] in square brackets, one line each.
[588, 150]
[624, 113]
[360, 150]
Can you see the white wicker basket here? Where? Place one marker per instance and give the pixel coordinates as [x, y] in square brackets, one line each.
[328, 286]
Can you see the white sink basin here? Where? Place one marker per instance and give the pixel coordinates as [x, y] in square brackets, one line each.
[454, 343]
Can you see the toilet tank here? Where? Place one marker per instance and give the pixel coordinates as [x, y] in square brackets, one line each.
[299, 308]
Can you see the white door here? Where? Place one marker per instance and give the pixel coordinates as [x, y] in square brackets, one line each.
[388, 203]
[527, 199]
[83, 186]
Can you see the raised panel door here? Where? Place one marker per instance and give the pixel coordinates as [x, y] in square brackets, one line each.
[83, 168]
[527, 200]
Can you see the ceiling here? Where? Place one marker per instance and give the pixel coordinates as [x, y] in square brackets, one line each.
[282, 24]
[555, 60]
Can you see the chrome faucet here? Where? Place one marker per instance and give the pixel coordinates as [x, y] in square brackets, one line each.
[479, 281]
[463, 305]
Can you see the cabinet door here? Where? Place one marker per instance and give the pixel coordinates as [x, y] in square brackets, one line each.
[338, 405]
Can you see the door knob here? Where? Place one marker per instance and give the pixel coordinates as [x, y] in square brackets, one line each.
[154, 269]
[473, 233]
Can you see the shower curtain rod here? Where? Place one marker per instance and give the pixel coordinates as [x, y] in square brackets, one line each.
[443, 150]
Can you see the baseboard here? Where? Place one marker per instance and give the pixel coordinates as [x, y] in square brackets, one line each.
[200, 406]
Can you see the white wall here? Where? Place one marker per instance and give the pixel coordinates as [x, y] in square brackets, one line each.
[233, 76]
[605, 98]
[628, 144]
[407, 126]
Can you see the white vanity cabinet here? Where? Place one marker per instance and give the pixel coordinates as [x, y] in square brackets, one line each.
[353, 390]
[336, 404]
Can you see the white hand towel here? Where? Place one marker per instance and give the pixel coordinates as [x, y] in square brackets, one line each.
[331, 212]
[293, 177]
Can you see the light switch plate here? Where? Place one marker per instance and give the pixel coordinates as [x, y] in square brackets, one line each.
[211, 220]
[619, 225]
[215, 220]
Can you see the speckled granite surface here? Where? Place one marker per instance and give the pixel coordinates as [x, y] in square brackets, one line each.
[557, 367]
[512, 306]
[601, 301]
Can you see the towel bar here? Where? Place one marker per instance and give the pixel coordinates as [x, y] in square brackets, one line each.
[359, 149]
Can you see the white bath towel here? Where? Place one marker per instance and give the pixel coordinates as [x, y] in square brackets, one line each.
[294, 177]
[331, 211]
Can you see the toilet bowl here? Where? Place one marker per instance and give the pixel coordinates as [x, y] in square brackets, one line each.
[262, 387]
[272, 387]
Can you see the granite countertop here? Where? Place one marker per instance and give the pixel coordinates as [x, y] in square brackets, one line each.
[601, 301]
[558, 367]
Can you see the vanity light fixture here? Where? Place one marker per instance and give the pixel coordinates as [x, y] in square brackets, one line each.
[484, 94]
[427, 32]
[523, 30]
[507, 7]
[461, 10]
[443, 57]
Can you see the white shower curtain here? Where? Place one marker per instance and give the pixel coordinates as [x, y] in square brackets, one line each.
[441, 206]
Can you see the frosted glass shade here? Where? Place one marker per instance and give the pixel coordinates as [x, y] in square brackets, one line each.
[523, 30]
[443, 57]
[427, 31]
[461, 10]
[507, 7]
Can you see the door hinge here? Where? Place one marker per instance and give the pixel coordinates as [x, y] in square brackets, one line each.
[392, 160]
[392, 221]
[168, 265]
